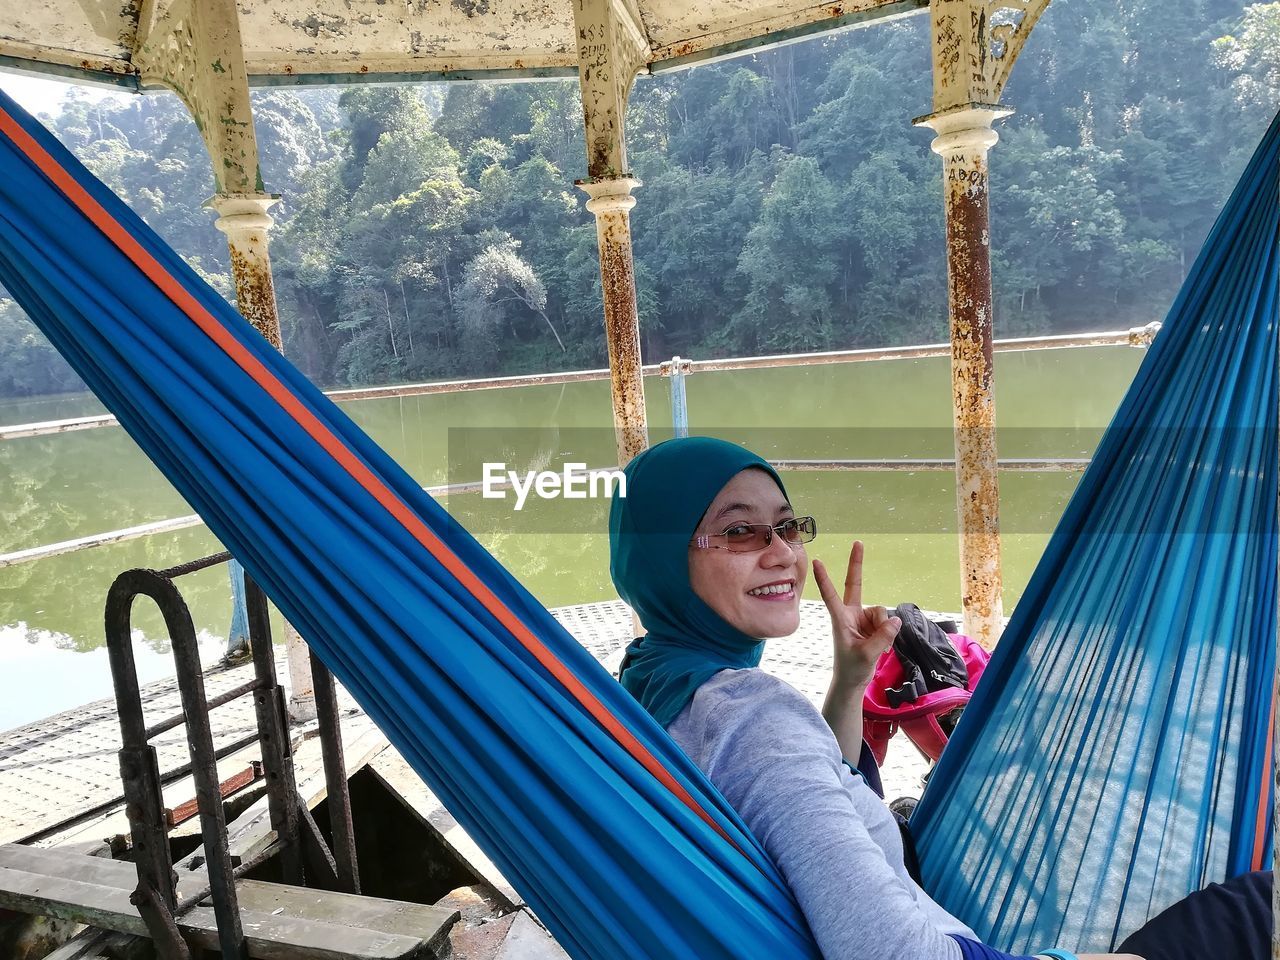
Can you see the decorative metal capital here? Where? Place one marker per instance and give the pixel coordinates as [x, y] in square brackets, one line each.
[975, 44]
[239, 213]
[965, 129]
[613, 48]
[611, 195]
[194, 49]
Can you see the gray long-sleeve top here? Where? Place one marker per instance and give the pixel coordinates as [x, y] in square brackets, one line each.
[772, 755]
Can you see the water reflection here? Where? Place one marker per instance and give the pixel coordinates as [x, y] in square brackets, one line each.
[30, 659]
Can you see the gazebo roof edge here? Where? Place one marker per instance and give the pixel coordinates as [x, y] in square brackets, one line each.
[31, 59]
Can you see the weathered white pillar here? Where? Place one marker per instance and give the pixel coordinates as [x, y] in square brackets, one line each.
[244, 219]
[974, 45]
[611, 202]
[194, 48]
[612, 48]
[964, 137]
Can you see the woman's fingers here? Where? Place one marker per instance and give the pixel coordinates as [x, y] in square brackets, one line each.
[826, 587]
[871, 627]
[853, 578]
[888, 631]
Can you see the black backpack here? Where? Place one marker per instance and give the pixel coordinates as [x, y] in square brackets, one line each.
[928, 659]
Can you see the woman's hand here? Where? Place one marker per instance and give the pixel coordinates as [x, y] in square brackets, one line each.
[860, 634]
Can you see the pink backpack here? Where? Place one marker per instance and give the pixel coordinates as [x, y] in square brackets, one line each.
[929, 720]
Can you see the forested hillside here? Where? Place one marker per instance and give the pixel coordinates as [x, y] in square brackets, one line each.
[434, 231]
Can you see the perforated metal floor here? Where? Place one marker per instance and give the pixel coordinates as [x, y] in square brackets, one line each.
[65, 765]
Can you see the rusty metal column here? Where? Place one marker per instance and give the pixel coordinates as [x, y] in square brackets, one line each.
[964, 137]
[194, 48]
[611, 202]
[244, 219]
[612, 49]
[974, 46]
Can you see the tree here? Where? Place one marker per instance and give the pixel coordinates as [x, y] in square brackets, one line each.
[1252, 56]
[497, 282]
[791, 260]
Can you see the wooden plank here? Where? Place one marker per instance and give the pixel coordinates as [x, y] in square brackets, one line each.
[428, 923]
[105, 907]
[280, 923]
[401, 917]
[100, 871]
[91, 944]
[400, 778]
[291, 938]
[189, 808]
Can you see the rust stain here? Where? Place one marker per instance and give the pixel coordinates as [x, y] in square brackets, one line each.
[255, 291]
[835, 11]
[364, 68]
[972, 367]
[622, 332]
[107, 66]
[600, 157]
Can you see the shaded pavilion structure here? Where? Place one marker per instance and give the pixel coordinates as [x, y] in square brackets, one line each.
[212, 52]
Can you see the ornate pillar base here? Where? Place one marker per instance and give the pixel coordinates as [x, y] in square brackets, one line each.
[964, 136]
[611, 201]
[244, 219]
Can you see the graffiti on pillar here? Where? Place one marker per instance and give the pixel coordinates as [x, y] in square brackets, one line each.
[947, 49]
[612, 48]
[982, 37]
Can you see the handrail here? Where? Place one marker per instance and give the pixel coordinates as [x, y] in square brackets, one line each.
[1136, 337]
[676, 369]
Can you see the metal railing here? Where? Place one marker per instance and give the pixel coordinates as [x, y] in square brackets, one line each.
[1136, 337]
[299, 842]
[675, 370]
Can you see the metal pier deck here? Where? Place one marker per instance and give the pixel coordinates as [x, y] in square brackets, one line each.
[65, 767]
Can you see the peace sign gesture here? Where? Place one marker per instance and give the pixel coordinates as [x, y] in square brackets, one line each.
[860, 634]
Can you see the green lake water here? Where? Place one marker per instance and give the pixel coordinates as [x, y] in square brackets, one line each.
[54, 488]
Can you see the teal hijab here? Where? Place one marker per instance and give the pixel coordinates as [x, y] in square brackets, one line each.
[669, 487]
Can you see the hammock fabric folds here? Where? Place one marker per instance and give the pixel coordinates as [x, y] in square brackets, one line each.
[1117, 754]
[613, 836]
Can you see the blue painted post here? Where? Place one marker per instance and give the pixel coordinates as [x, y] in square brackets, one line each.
[679, 406]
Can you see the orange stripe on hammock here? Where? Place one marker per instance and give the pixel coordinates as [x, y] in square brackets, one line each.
[216, 332]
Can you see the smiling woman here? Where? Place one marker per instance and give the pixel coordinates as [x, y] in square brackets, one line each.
[707, 549]
[748, 570]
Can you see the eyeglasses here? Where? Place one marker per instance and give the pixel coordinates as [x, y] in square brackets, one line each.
[752, 537]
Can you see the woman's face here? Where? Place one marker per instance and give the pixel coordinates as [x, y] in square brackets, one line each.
[730, 583]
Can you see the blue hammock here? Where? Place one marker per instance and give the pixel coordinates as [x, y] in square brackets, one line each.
[491, 701]
[1117, 753]
[614, 837]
